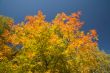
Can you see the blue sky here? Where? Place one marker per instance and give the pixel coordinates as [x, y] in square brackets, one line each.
[95, 13]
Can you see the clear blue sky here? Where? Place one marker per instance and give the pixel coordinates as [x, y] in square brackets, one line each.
[96, 13]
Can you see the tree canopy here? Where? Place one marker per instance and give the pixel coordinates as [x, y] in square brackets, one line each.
[60, 46]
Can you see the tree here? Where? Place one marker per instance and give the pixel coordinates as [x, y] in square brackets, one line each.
[59, 46]
[5, 30]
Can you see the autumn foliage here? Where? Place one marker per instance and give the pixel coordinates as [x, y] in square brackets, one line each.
[59, 46]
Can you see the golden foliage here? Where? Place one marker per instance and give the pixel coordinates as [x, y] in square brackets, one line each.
[59, 46]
